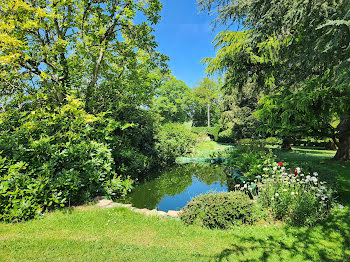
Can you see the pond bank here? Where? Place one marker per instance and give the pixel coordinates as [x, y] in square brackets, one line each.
[102, 202]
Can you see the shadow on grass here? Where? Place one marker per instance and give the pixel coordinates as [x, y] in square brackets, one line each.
[328, 241]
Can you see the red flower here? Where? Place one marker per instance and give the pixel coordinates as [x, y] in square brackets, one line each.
[294, 171]
[280, 163]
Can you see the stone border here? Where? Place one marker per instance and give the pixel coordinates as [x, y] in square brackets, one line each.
[102, 202]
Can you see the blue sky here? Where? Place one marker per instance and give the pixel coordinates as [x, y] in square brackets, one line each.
[186, 37]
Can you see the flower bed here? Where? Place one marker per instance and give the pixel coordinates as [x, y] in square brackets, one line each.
[291, 195]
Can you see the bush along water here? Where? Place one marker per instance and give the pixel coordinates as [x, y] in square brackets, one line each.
[52, 158]
[174, 140]
[219, 210]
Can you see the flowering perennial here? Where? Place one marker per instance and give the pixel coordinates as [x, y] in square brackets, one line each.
[291, 195]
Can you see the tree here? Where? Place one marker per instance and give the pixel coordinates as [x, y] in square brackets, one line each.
[298, 45]
[237, 119]
[63, 45]
[206, 98]
[173, 101]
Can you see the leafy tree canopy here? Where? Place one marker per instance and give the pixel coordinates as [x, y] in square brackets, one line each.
[206, 102]
[173, 101]
[301, 46]
[60, 45]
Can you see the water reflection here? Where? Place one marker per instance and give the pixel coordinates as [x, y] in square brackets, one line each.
[173, 188]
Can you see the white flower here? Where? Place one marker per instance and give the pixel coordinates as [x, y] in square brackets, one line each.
[308, 177]
[283, 168]
[298, 170]
[292, 193]
[318, 195]
[276, 194]
[274, 168]
[259, 165]
[315, 174]
[265, 169]
[272, 198]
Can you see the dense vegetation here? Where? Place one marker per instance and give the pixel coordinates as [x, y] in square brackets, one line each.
[89, 106]
[295, 53]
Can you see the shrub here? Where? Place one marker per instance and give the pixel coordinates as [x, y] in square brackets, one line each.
[245, 141]
[223, 210]
[133, 145]
[273, 141]
[211, 131]
[50, 159]
[250, 159]
[226, 136]
[174, 140]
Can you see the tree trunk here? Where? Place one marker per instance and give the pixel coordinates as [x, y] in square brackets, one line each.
[286, 146]
[208, 114]
[343, 152]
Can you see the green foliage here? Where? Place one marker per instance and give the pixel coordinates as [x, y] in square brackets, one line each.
[174, 140]
[206, 103]
[250, 158]
[132, 141]
[23, 194]
[63, 45]
[221, 210]
[173, 101]
[273, 141]
[211, 131]
[226, 136]
[277, 55]
[50, 159]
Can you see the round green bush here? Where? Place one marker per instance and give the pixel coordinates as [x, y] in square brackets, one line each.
[219, 210]
[174, 140]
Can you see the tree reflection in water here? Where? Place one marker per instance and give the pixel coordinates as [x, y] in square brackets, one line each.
[173, 188]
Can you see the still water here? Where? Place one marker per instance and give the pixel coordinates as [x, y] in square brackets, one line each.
[173, 188]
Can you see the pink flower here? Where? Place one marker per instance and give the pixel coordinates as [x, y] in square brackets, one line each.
[280, 163]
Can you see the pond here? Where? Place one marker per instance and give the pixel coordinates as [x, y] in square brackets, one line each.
[173, 188]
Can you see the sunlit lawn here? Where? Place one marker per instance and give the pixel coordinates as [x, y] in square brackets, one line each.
[206, 148]
[121, 235]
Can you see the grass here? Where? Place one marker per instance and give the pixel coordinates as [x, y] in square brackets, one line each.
[206, 148]
[121, 235]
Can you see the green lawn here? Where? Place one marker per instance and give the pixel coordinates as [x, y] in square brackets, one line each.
[121, 235]
[206, 148]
